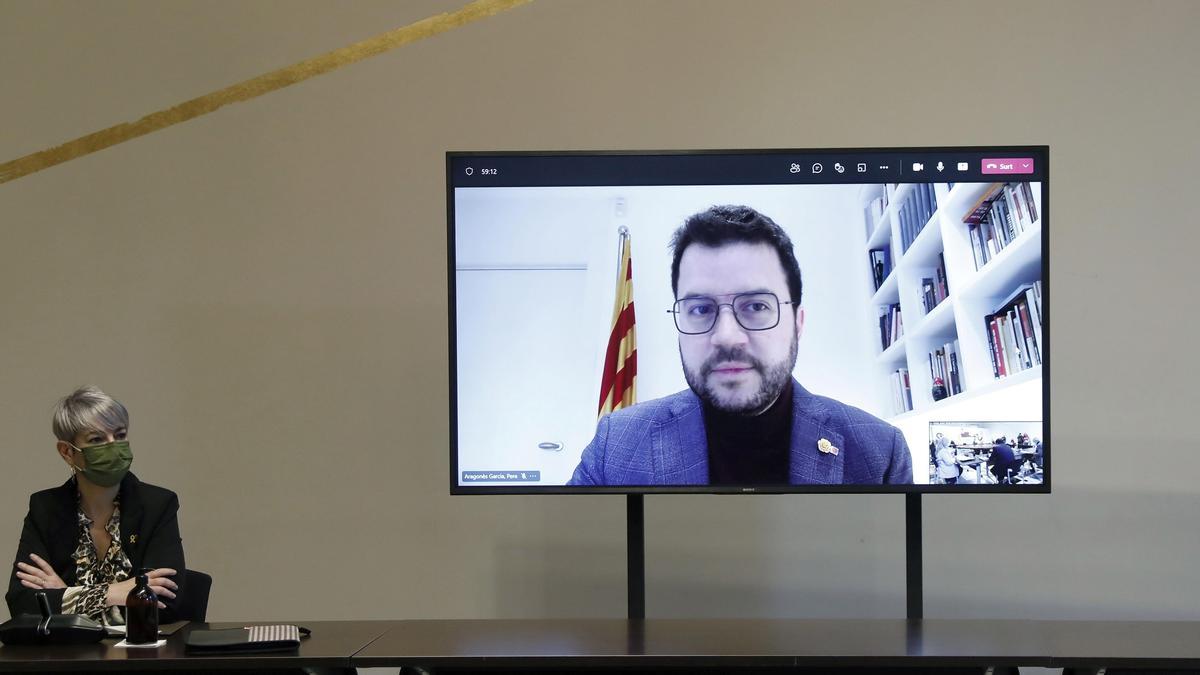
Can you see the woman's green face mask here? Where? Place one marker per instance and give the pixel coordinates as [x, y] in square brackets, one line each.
[107, 463]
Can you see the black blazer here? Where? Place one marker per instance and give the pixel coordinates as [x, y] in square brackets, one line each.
[149, 536]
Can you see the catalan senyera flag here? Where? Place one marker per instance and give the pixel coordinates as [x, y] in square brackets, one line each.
[618, 386]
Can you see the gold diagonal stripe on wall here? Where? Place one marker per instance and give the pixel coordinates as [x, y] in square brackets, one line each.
[253, 88]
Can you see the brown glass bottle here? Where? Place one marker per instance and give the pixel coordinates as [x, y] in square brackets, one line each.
[141, 613]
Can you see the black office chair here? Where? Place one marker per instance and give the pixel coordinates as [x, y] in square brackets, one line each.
[194, 606]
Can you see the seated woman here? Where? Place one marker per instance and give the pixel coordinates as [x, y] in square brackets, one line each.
[84, 541]
[946, 459]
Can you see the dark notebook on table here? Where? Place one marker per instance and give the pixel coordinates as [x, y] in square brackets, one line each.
[248, 639]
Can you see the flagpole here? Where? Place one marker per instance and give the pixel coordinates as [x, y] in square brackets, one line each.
[622, 235]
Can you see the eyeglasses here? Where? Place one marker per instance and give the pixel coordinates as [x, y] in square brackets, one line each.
[753, 311]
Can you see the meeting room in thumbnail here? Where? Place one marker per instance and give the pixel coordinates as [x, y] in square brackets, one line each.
[986, 453]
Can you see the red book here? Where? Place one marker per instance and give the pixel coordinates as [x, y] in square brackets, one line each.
[999, 347]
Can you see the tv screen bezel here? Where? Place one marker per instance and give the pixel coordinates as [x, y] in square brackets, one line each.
[1041, 155]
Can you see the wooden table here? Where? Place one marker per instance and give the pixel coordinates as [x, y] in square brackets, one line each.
[654, 644]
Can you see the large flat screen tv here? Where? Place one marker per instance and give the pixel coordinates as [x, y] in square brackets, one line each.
[749, 321]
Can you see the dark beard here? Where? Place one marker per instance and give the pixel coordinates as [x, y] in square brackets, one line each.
[774, 379]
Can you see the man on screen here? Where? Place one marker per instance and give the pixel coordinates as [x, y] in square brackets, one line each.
[744, 420]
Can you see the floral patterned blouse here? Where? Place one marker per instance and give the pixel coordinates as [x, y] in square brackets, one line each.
[94, 574]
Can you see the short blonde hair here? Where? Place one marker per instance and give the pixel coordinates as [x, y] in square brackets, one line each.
[87, 409]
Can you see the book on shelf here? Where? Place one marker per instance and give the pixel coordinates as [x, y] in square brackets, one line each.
[881, 265]
[1014, 331]
[928, 295]
[922, 192]
[1033, 301]
[1032, 350]
[955, 371]
[944, 366]
[999, 216]
[901, 391]
[1021, 199]
[891, 327]
[1014, 336]
[935, 289]
[916, 211]
[943, 285]
[874, 211]
[993, 336]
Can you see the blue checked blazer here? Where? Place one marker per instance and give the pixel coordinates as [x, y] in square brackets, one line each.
[663, 442]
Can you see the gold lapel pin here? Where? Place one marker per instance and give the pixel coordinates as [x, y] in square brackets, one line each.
[825, 446]
[133, 538]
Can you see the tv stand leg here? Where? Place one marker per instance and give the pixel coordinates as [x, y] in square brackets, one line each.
[635, 520]
[913, 564]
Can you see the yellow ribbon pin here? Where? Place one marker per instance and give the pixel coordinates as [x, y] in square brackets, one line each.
[825, 446]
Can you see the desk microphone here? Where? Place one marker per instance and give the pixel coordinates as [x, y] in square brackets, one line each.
[44, 603]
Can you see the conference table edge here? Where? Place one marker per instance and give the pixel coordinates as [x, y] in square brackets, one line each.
[11, 661]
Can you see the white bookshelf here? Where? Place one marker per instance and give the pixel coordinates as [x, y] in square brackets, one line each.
[973, 294]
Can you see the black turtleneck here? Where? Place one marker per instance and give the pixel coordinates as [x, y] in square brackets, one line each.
[750, 449]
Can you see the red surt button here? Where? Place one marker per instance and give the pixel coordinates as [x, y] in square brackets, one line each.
[1008, 165]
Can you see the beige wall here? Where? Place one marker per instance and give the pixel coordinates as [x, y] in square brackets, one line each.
[265, 288]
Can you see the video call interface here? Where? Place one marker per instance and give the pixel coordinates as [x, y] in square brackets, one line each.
[744, 321]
